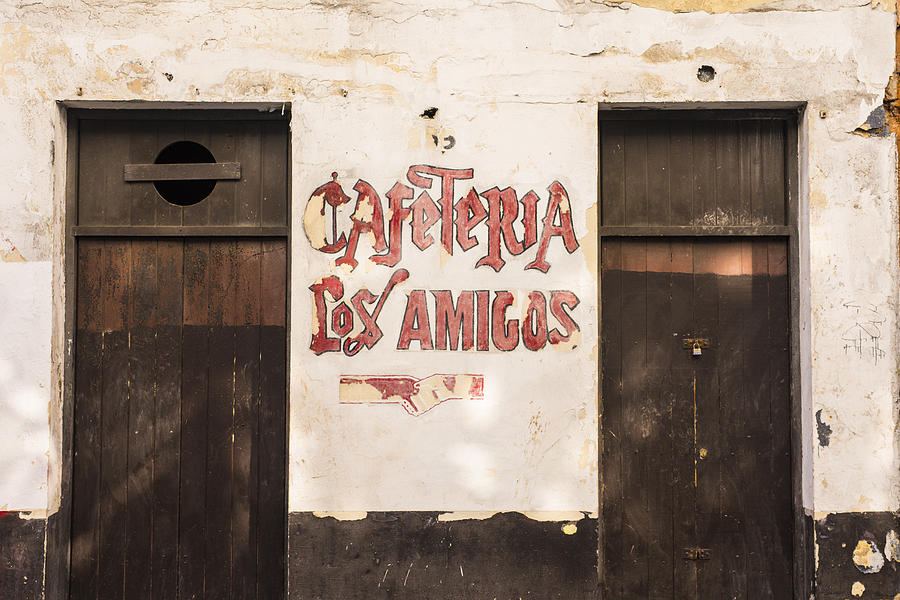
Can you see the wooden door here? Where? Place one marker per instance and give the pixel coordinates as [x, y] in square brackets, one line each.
[696, 465]
[179, 434]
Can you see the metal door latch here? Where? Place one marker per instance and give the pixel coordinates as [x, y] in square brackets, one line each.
[695, 345]
[696, 553]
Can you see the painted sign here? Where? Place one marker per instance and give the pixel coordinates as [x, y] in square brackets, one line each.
[467, 319]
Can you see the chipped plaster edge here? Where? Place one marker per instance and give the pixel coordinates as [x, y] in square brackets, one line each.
[803, 344]
[60, 348]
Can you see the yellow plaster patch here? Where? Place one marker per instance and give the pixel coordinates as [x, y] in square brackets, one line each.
[570, 528]
[726, 6]
[343, 515]
[588, 241]
[588, 457]
[867, 557]
[556, 515]
[857, 589]
[314, 221]
[12, 255]
[466, 515]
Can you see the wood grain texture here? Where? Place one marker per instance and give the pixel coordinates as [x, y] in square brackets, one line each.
[688, 441]
[117, 170]
[697, 171]
[180, 392]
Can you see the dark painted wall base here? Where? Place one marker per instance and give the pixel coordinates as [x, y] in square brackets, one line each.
[21, 557]
[413, 555]
[838, 537]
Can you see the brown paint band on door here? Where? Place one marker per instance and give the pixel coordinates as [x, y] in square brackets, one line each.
[696, 449]
[179, 467]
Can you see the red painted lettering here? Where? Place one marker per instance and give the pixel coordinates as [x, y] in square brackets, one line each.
[505, 334]
[415, 323]
[529, 219]
[396, 196]
[448, 177]
[342, 319]
[469, 213]
[559, 302]
[559, 205]
[534, 329]
[503, 208]
[367, 218]
[320, 341]
[484, 319]
[448, 321]
[425, 213]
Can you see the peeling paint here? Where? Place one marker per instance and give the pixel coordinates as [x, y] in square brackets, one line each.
[823, 430]
[857, 589]
[343, 515]
[867, 557]
[892, 546]
[466, 515]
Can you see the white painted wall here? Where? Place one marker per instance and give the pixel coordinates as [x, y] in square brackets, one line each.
[516, 85]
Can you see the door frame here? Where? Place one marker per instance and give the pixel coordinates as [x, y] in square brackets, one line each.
[793, 113]
[57, 563]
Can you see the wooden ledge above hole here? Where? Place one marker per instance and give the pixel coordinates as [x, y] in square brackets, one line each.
[182, 171]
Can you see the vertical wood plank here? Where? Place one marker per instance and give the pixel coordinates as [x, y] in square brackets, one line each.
[246, 402]
[658, 174]
[779, 536]
[219, 206]
[248, 191]
[682, 417]
[751, 150]
[272, 416]
[681, 167]
[746, 134]
[731, 527]
[195, 367]
[774, 183]
[705, 413]
[612, 173]
[91, 178]
[611, 418]
[636, 173]
[167, 440]
[114, 419]
[142, 149]
[636, 387]
[116, 193]
[168, 132]
[87, 434]
[204, 133]
[140, 415]
[220, 413]
[275, 173]
[656, 435]
[727, 173]
[704, 173]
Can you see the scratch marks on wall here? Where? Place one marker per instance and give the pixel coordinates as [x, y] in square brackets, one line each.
[862, 337]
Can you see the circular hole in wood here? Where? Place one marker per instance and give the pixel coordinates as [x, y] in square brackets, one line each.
[187, 191]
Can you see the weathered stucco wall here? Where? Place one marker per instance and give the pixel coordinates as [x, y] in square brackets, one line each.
[516, 86]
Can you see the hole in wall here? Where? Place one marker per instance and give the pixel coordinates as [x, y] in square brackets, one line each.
[706, 73]
[185, 192]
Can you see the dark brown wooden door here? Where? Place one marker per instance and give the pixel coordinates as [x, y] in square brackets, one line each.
[179, 434]
[696, 465]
